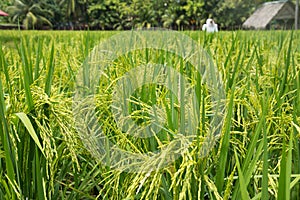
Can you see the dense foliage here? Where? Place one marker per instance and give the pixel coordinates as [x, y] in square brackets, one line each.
[125, 14]
[257, 155]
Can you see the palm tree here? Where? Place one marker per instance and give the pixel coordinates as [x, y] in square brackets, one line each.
[32, 14]
[175, 16]
[71, 6]
[75, 10]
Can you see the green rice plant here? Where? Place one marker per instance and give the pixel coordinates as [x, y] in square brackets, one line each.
[8, 151]
[34, 146]
[257, 155]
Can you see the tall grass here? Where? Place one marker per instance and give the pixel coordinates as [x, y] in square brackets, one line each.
[256, 157]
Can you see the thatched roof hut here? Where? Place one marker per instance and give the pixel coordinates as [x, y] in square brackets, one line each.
[272, 15]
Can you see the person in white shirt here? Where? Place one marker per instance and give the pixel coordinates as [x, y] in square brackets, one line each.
[210, 26]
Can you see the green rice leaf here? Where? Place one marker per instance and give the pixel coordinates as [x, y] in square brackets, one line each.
[243, 186]
[27, 123]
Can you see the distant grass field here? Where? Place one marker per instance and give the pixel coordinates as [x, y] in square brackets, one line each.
[256, 157]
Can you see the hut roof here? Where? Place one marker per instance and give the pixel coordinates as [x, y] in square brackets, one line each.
[2, 13]
[283, 9]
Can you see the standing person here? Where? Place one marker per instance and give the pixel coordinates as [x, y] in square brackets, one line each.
[210, 26]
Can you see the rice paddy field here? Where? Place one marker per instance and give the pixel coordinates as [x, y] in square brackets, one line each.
[255, 153]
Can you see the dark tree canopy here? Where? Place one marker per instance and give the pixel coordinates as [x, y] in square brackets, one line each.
[126, 14]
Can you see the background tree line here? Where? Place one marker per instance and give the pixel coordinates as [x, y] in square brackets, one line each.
[126, 14]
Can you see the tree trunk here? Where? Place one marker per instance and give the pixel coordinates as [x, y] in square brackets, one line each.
[297, 14]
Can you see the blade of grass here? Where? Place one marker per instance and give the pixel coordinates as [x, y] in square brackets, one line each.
[296, 113]
[5, 140]
[226, 137]
[287, 62]
[50, 72]
[265, 181]
[39, 179]
[39, 55]
[225, 145]
[243, 186]
[26, 121]
[27, 75]
[285, 170]
[253, 154]
[289, 165]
